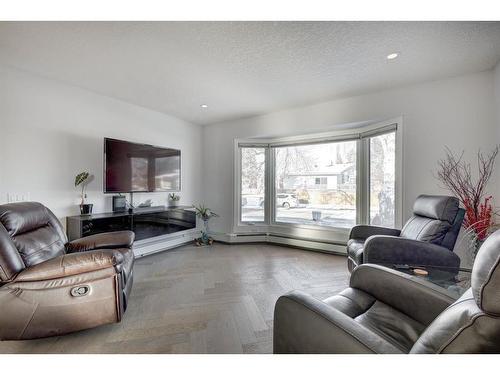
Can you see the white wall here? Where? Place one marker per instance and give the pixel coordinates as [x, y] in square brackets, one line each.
[50, 131]
[458, 113]
[497, 105]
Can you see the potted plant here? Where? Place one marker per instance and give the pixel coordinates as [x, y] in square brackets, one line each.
[457, 176]
[173, 199]
[82, 179]
[205, 214]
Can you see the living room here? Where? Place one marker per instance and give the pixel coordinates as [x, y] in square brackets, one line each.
[249, 187]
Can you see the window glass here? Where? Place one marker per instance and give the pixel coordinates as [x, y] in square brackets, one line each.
[253, 166]
[382, 179]
[316, 184]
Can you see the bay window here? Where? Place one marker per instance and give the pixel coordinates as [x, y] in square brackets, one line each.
[382, 179]
[316, 184]
[253, 181]
[331, 181]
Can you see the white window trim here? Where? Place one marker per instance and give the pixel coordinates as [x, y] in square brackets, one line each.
[335, 234]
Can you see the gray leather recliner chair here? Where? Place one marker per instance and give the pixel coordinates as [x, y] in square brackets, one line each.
[386, 311]
[49, 286]
[427, 238]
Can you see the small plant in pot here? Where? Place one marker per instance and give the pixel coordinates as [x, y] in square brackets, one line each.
[205, 214]
[82, 180]
[173, 199]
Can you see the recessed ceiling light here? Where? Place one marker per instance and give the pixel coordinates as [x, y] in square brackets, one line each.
[392, 56]
[204, 106]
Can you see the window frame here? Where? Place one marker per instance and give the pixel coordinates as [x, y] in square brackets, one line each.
[362, 136]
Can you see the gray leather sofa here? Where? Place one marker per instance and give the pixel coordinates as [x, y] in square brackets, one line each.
[386, 311]
[427, 238]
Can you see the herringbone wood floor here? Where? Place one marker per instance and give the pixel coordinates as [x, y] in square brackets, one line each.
[217, 299]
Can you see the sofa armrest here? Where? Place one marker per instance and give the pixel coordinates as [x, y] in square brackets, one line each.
[303, 324]
[110, 240]
[417, 298]
[362, 232]
[397, 250]
[71, 264]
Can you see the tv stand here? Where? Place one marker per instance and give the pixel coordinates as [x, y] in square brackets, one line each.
[146, 209]
[145, 222]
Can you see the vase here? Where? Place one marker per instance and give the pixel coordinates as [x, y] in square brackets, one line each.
[205, 238]
[86, 209]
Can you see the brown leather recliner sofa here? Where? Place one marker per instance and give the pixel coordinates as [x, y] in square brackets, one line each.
[49, 286]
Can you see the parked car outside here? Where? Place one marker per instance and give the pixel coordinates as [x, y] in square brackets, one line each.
[252, 201]
[287, 200]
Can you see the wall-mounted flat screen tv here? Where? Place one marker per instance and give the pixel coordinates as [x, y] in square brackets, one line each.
[134, 167]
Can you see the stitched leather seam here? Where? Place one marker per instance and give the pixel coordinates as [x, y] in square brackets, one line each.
[412, 219]
[488, 279]
[64, 268]
[425, 226]
[445, 207]
[4, 274]
[15, 234]
[381, 333]
[357, 304]
[452, 338]
[56, 287]
[334, 323]
[40, 250]
[29, 321]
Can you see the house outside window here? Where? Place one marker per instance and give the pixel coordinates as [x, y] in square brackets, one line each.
[333, 182]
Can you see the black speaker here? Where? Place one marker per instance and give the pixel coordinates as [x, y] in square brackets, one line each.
[119, 203]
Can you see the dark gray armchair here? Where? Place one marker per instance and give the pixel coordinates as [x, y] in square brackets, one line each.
[386, 311]
[427, 238]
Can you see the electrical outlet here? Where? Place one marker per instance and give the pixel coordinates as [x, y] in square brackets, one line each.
[18, 197]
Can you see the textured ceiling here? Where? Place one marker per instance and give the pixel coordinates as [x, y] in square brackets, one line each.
[245, 68]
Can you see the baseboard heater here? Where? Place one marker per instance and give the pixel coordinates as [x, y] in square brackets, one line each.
[334, 247]
[158, 244]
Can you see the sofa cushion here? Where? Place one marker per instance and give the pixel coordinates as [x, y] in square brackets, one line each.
[383, 320]
[436, 207]
[352, 302]
[425, 229]
[394, 326]
[39, 245]
[23, 217]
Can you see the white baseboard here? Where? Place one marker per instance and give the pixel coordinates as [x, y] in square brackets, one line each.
[170, 241]
[334, 248]
[166, 242]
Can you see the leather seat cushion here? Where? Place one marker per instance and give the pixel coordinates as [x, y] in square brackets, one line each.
[424, 229]
[355, 250]
[392, 325]
[352, 302]
[438, 207]
[23, 217]
[38, 245]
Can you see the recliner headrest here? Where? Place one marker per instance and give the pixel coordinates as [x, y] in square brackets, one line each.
[23, 217]
[438, 207]
[486, 275]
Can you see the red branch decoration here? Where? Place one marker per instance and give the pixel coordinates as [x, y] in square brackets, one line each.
[456, 175]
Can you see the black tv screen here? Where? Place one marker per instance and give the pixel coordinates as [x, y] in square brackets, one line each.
[134, 167]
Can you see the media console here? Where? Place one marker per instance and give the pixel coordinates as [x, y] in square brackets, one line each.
[148, 223]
